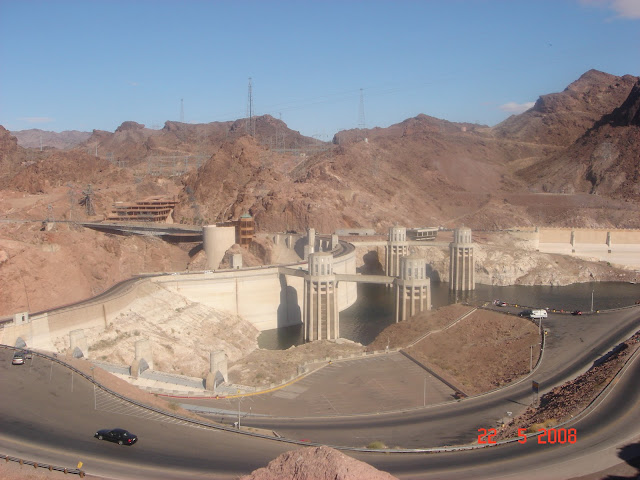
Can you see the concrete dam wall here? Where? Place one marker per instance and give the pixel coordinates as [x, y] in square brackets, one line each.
[262, 295]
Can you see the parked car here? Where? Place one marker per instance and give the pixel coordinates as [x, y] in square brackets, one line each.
[500, 303]
[28, 354]
[576, 312]
[18, 359]
[117, 435]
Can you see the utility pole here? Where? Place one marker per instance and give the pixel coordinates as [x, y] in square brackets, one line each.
[531, 358]
[424, 397]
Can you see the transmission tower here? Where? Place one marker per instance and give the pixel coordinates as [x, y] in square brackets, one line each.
[72, 200]
[251, 126]
[182, 110]
[50, 218]
[361, 122]
[87, 201]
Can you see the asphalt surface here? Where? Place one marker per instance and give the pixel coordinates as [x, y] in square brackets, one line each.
[343, 403]
[50, 415]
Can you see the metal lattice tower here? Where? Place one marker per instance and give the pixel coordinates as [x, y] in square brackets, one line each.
[50, 218]
[182, 110]
[251, 126]
[87, 201]
[72, 200]
[362, 124]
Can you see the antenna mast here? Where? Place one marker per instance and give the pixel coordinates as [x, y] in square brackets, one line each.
[182, 110]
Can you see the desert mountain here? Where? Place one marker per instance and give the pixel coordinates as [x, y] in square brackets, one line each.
[132, 142]
[561, 118]
[36, 138]
[605, 160]
[422, 171]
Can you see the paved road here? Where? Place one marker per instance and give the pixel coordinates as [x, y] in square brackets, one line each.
[572, 345]
[47, 415]
[51, 415]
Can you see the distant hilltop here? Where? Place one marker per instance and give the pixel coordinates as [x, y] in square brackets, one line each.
[36, 138]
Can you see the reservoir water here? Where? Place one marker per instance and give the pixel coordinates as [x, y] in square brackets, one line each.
[374, 309]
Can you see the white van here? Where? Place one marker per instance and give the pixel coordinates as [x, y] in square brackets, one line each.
[538, 313]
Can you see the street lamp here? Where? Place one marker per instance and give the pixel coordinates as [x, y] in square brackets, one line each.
[531, 357]
[424, 401]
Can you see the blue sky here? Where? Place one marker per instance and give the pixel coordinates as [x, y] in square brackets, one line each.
[84, 65]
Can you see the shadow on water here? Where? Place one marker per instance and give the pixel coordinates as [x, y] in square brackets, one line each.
[374, 309]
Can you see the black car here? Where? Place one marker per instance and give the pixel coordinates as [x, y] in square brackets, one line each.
[117, 435]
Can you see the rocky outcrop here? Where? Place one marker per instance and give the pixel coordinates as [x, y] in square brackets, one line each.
[58, 168]
[11, 155]
[562, 118]
[604, 161]
[317, 463]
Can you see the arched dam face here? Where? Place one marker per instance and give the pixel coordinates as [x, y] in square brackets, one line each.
[268, 297]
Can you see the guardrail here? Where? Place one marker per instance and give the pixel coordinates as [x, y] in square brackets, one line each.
[51, 468]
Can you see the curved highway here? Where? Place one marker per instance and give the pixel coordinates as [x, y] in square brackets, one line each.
[49, 414]
[572, 345]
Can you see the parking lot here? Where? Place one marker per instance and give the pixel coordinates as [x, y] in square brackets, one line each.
[382, 383]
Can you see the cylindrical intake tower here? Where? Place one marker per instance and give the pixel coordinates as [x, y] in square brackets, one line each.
[413, 288]
[396, 247]
[462, 263]
[321, 320]
[216, 241]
